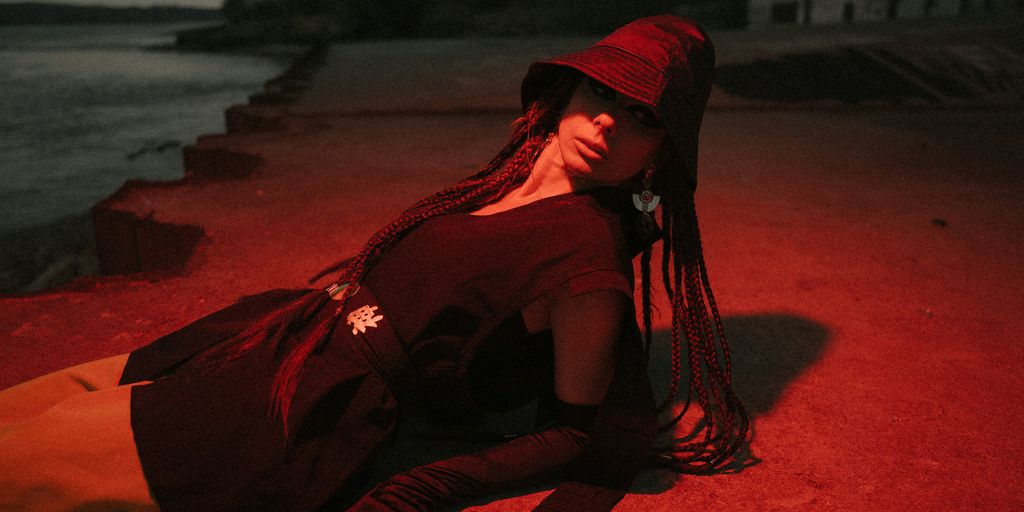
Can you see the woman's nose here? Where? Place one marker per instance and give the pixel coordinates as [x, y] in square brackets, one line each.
[605, 121]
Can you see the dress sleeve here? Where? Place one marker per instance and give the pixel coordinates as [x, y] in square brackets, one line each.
[598, 457]
[601, 280]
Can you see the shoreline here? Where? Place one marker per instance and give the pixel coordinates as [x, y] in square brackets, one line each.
[51, 255]
[129, 241]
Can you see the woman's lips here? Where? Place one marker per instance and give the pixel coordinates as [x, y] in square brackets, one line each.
[591, 150]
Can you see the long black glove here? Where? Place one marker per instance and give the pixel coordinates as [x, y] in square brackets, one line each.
[461, 478]
[603, 466]
[620, 441]
[604, 461]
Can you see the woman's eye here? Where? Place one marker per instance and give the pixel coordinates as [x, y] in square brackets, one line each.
[645, 116]
[602, 90]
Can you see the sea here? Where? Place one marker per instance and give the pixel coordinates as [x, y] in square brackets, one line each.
[85, 107]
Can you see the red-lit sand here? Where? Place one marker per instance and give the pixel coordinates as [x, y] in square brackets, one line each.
[867, 264]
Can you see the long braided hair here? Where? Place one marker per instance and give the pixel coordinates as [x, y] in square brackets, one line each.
[684, 274]
[696, 320]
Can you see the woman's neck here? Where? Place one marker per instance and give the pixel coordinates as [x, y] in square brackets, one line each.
[548, 177]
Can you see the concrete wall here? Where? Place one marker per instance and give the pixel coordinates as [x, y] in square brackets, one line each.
[846, 11]
[911, 9]
[995, 7]
[762, 13]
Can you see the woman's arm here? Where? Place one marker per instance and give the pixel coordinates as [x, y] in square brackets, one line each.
[586, 330]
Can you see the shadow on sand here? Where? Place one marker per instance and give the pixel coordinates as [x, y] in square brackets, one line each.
[769, 351]
[889, 74]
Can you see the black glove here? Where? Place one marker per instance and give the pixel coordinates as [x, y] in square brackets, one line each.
[604, 460]
[458, 479]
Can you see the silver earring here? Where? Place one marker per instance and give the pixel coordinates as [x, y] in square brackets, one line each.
[646, 201]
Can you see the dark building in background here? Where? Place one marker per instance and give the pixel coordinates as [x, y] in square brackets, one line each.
[824, 12]
[319, 20]
[256, 21]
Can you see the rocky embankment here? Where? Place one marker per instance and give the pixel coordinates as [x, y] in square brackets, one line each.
[129, 236]
[115, 238]
[46, 256]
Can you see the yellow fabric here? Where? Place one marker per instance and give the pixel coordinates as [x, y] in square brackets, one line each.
[66, 443]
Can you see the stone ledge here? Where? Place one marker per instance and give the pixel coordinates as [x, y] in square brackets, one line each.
[129, 242]
[130, 239]
[216, 163]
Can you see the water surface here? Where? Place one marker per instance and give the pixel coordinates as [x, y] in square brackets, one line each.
[87, 107]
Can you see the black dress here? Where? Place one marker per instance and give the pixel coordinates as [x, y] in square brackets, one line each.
[437, 318]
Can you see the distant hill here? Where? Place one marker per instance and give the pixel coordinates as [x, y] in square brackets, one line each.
[32, 13]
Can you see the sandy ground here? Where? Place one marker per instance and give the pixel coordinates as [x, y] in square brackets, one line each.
[866, 263]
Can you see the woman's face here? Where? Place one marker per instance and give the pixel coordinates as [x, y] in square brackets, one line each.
[605, 137]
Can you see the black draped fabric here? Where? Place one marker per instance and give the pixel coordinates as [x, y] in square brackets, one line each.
[444, 304]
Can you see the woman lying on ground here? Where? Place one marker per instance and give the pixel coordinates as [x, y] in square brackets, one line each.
[514, 283]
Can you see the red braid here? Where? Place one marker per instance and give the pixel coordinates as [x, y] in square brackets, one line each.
[645, 298]
[695, 314]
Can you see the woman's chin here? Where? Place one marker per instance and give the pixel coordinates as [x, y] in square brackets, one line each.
[581, 176]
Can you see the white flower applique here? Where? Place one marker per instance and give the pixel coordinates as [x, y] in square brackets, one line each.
[362, 318]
